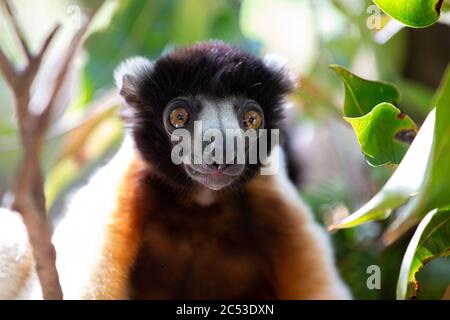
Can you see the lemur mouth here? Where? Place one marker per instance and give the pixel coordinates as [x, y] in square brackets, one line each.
[214, 177]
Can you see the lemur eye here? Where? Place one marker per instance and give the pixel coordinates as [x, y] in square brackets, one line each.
[179, 117]
[252, 119]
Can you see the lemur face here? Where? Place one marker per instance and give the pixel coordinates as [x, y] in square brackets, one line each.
[210, 95]
[216, 129]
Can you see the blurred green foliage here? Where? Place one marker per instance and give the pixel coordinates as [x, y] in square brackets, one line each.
[149, 28]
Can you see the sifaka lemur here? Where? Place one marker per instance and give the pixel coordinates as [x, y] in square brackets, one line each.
[147, 227]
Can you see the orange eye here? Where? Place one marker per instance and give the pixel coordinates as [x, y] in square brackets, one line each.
[179, 117]
[252, 119]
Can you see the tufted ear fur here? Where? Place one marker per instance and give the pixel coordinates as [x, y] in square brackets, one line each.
[278, 64]
[129, 75]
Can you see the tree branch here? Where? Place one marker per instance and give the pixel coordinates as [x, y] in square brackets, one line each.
[29, 197]
[47, 41]
[8, 70]
[44, 118]
[19, 34]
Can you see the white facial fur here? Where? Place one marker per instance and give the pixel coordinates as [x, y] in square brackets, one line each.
[215, 115]
[218, 115]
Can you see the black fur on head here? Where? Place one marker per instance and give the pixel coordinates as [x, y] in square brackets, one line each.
[212, 69]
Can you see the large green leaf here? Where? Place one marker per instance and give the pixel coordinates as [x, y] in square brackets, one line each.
[405, 182]
[383, 131]
[362, 95]
[437, 188]
[423, 172]
[413, 13]
[435, 193]
[431, 240]
[384, 134]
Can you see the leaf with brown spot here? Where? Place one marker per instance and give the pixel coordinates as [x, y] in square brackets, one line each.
[384, 134]
[430, 241]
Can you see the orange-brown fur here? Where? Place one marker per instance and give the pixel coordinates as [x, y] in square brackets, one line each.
[124, 236]
[257, 245]
[300, 258]
[260, 243]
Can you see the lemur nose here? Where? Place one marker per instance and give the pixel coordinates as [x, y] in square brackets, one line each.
[220, 166]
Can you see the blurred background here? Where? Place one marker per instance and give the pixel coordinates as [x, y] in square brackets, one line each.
[308, 35]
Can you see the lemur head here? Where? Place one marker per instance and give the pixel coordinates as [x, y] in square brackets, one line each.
[210, 87]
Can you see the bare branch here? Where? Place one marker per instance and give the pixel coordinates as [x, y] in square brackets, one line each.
[19, 34]
[22, 88]
[8, 69]
[39, 234]
[47, 41]
[30, 202]
[29, 189]
[61, 77]
[18, 87]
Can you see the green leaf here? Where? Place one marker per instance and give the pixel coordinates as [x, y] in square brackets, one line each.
[404, 182]
[423, 172]
[435, 191]
[413, 13]
[430, 241]
[438, 184]
[362, 95]
[384, 134]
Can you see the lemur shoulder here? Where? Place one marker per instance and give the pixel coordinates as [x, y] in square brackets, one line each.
[146, 228]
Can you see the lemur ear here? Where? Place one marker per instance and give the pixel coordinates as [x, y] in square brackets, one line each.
[280, 65]
[128, 76]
